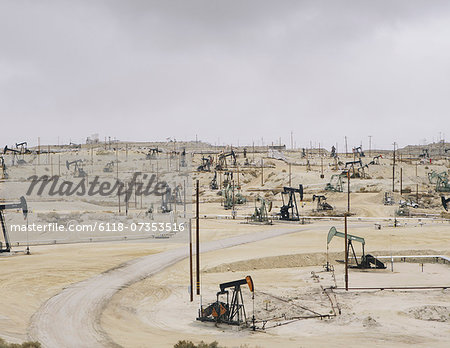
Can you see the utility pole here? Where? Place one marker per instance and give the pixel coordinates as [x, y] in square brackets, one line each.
[370, 146]
[348, 192]
[292, 140]
[393, 170]
[346, 253]
[253, 146]
[39, 150]
[233, 212]
[346, 149]
[127, 185]
[290, 184]
[321, 168]
[191, 277]
[401, 180]
[262, 172]
[197, 236]
[117, 176]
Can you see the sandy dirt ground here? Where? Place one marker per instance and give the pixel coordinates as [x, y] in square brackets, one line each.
[165, 321]
[135, 293]
[79, 307]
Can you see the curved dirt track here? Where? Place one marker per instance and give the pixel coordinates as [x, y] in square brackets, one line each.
[71, 318]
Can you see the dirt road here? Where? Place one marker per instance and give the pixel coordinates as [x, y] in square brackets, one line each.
[71, 318]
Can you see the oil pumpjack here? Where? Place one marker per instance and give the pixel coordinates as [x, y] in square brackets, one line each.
[231, 312]
[12, 206]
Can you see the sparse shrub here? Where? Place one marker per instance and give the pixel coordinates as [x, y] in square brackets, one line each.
[28, 344]
[184, 344]
[190, 344]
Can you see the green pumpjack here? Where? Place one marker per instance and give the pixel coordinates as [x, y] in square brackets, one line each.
[367, 261]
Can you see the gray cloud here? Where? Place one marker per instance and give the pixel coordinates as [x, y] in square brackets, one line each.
[234, 70]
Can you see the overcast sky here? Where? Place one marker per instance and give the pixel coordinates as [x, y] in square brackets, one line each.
[229, 71]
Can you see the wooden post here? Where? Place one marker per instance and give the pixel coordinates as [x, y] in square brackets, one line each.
[117, 177]
[191, 276]
[39, 150]
[348, 192]
[238, 175]
[346, 253]
[232, 199]
[140, 193]
[184, 199]
[253, 145]
[401, 181]
[292, 141]
[197, 232]
[262, 172]
[346, 149]
[290, 182]
[321, 168]
[127, 186]
[393, 171]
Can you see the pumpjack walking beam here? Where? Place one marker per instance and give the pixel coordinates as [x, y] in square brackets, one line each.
[23, 147]
[22, 205]
[15, 154]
